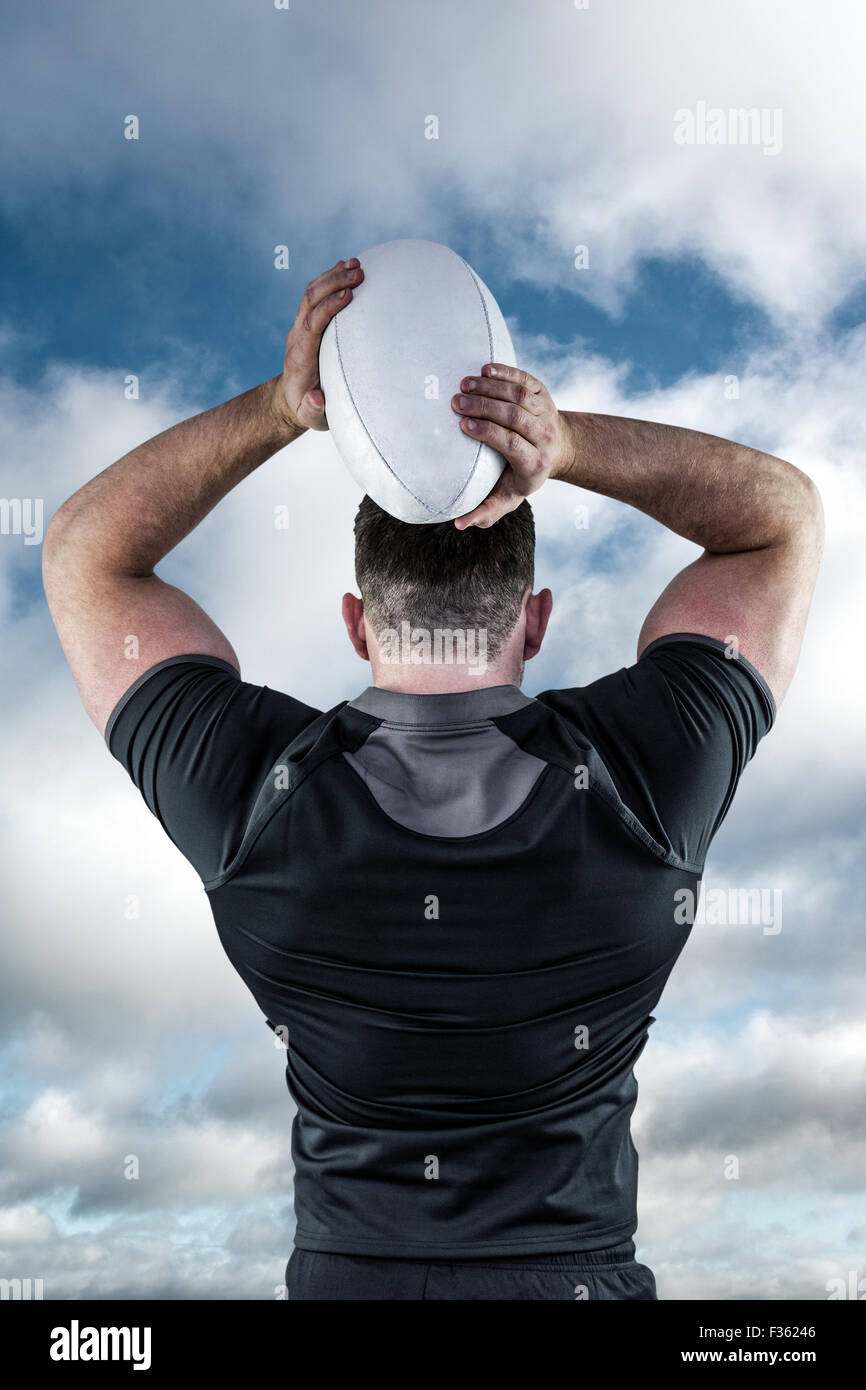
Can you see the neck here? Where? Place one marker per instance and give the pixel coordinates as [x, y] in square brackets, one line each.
[442, 680]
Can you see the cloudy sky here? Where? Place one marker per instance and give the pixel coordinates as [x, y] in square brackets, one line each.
[724, 290]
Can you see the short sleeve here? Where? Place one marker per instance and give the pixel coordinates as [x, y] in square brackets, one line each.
[198, 742]
[675, 732]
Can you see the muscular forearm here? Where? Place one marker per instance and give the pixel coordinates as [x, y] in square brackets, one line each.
[115, 618]
[723, 496]
[132, 514]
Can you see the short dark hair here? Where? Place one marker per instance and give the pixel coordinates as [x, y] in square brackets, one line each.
[435, 576]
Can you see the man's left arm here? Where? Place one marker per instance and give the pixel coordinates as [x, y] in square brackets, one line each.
[102, 546]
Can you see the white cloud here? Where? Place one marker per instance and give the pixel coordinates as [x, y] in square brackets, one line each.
[555, 129]
[22, 1224]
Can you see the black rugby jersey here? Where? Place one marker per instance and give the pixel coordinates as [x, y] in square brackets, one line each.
[459, 912]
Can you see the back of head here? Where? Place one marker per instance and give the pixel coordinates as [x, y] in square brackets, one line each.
[434, 576]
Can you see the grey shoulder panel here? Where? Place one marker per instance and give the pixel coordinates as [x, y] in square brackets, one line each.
[452, 781]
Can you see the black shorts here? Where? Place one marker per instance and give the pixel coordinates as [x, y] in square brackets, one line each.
[583, 1276]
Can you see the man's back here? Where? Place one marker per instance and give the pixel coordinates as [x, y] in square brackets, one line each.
[458, 911]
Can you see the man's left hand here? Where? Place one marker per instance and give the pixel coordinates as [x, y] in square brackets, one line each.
[298, 397]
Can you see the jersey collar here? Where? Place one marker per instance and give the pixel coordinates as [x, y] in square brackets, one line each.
[458, 707]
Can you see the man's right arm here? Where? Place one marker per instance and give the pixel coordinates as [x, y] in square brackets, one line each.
[758, 519]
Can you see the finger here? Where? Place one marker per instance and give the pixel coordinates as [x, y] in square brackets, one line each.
[311, 411]
[344, 275]
[530, 398]
[516, 375]
[302, 343]
[328, 281]
[502, 412]
[534, 402]
[503, 498]
[316, 320]
[520, 453]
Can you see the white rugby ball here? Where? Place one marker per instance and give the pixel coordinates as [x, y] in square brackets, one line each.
[389, 364]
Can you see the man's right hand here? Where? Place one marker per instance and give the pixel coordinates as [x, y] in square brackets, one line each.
[298, 397]
[513, 412]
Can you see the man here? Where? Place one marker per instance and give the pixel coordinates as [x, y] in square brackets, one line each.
[456, 905]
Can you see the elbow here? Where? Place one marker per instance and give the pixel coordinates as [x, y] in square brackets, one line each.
[55, 544]
[52, 540]
[799, 511]
[812, 513]
[802, 532]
